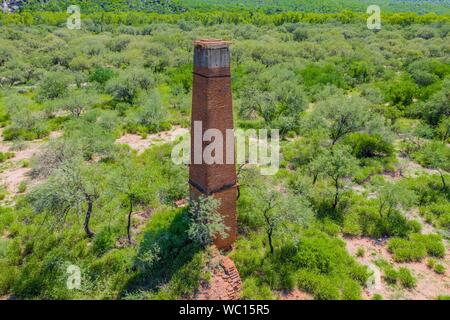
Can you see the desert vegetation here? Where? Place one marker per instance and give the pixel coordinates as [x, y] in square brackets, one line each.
[364, 118]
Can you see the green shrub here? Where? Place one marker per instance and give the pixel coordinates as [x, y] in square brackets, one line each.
[322, 287]
[390, 275]
[103, 241]
[406, 278]
[367, 146]
[405, 250]
[252, 290]
[3, 193]
[3, 247]
[431, 263]
[6, 155]
[101, 75]
[439, 268]
[360, 252]
[22, 187]
[54, 85]
[377, 296]
[432, 242]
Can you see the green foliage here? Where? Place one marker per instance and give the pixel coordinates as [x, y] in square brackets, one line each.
[360, 252]
[368, 146]
[104, 241]
[6, 155]
[406, 278]
[340, 115]
[54, 85]
[315, 74]
[205, 222]
[253, 290]
[151, 117]
[22, 187]
[438, 106]
[319, 262]
[439, 268]
[308, 74]
[406, 250]
[416, 247]
[101, 75]
[401, 92]
[390, 275]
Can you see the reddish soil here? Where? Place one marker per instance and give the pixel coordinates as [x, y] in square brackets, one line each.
[13, 174]
[429, 284]
[225, 282]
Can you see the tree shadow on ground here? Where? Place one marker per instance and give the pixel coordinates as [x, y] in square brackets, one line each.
[164, 253]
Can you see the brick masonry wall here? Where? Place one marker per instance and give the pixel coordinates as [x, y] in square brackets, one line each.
[212, 105]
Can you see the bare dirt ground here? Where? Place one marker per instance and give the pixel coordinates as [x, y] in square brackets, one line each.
[12, 171]
[429, 284]
[140, 144]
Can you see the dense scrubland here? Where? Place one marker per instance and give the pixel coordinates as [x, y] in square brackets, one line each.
[268, 6]
[365, 124]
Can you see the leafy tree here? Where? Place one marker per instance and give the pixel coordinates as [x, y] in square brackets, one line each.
[341, 115]
[77, 102]
[152, 115]
[278, 211]
[435, 155]
[131, 181]
[205, 222]
[126, 87]
[337, 163]
[391, 196]
[101, 75]
[401, 92]
[70, 186]
[54, 85]
[444, 129]
[438, 106]
[367, 146]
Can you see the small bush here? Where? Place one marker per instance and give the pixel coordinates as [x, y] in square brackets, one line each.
[431, 263]
[439, 268]
[3, 194]
[367, 146]
[101, 75]
[22, 187]
[405, 250]
[390, 275]
[360, 252]
[377, 296]
[103, 241]
[406, 278]
[6, 155]
[432, 242]
[252, 290]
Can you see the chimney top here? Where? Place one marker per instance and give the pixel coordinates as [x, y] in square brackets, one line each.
[212, 43]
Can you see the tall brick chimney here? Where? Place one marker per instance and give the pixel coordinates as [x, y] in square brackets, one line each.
[212, 105]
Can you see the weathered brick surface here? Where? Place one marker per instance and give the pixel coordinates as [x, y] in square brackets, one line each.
[212, 105]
